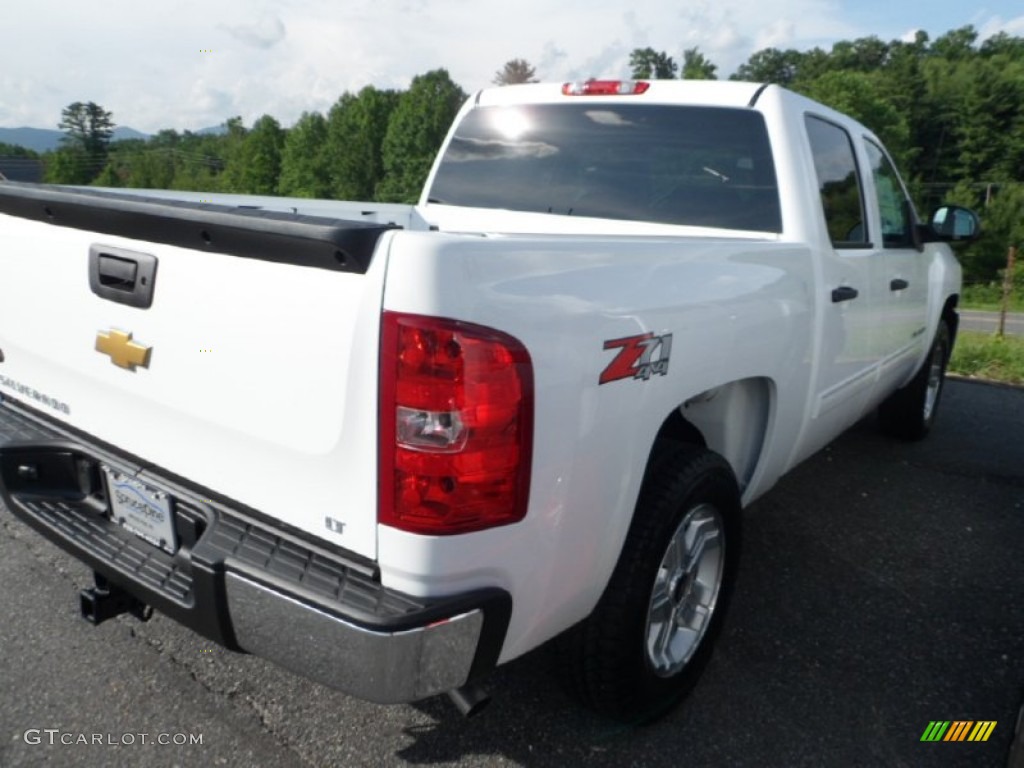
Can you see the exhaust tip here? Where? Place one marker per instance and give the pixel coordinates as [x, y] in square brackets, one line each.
[470, 699]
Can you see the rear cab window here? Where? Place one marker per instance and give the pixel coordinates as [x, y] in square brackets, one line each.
[839, 185]
[687, 165]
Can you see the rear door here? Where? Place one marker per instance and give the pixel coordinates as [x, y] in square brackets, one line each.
[851, 273]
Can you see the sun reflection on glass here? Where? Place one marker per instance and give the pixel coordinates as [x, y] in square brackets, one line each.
[511, 123]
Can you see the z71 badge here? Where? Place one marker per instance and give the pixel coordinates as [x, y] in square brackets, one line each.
[636, 358]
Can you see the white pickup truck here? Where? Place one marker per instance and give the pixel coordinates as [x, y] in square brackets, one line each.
[391, 447]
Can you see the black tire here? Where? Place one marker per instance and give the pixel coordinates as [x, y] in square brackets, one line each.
[910, 412]
[606, 658]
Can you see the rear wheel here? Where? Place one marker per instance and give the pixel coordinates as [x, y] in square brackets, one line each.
[651, 633]
[909, 413]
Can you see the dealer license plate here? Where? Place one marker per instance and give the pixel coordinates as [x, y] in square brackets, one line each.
[144, 510]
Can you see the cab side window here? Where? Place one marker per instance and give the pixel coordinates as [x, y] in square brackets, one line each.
[893, 205]
[838, 183]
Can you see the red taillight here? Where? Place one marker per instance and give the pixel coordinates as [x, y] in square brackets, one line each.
[606, 88]
[456, 426]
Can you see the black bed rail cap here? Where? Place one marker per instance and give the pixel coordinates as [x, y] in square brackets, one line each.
[318, 242]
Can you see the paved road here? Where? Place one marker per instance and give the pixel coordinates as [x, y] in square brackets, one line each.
[882, 587]
[973, 320]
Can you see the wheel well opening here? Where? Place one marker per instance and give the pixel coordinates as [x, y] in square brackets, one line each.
[949, 313]
[731, 420]
[677, 428]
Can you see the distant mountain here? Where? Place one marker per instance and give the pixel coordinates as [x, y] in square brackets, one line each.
[123, 132]
[37, 139]
[45, 139]
[216, 130]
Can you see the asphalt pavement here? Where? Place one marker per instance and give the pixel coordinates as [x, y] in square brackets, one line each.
[975, 320]
[882, 588]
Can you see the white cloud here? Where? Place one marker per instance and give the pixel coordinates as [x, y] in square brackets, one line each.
[995, 24]
[265, 33]
[779, 34]
[551, 60]
[211, 59]
[205, 99]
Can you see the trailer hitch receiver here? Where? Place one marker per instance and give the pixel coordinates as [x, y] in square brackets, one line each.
[105, 601]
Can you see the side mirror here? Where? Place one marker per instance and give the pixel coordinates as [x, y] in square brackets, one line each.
[952, 224]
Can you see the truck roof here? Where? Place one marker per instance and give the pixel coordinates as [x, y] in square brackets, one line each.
[711, 93]
[705, 92]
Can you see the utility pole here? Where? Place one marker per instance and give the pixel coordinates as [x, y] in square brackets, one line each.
[1011, 256]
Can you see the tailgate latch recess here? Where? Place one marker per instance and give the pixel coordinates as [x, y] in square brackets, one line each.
[120, 275]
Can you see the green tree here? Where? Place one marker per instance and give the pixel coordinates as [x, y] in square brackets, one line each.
[904, 83]
[16, 150]
[647, 63]
[260, 157]
[109, 177]
[1002, 225]
[866, 54]
[151, 168]
[87, 126]
[142, 164]
[514, 72]
[1003, 43]
[860, 96]
[87, 130]
[956, 44]
[942, 109]
[196, 177]
[234, 164]
[70, 165]
[198, 161]
[353, 153]
[696, 66]
[770, 65]
[303, 170]
[415, 133]
[991, 125]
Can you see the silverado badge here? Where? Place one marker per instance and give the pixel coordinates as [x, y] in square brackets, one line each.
[123, 352]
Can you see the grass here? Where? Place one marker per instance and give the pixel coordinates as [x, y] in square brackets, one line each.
[987, 297]
[986, 356]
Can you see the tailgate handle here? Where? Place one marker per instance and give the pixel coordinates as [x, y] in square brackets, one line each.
[120, 275]
[118, 272]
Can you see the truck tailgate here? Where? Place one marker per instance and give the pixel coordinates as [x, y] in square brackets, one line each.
[252, 372]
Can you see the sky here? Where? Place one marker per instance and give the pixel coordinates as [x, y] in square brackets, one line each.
[194, 63]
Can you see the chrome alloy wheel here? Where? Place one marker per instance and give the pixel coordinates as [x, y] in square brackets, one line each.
[936, 368]
[685, 590]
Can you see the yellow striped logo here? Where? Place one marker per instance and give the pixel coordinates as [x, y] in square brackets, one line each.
[958, 730]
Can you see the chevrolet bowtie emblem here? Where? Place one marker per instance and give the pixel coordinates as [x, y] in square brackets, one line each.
[123, 352]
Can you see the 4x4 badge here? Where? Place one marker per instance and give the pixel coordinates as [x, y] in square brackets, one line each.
[123, 352]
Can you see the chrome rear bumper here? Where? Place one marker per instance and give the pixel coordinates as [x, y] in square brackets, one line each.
[243, 579]
[384, 667]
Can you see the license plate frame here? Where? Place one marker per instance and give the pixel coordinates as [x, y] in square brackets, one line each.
[145, 510]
